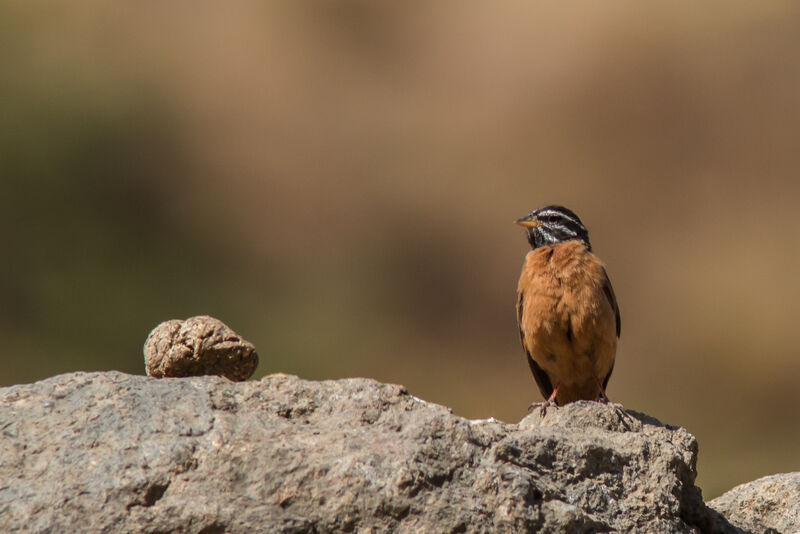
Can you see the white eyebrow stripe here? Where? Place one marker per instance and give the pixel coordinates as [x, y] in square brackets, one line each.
[562, 215]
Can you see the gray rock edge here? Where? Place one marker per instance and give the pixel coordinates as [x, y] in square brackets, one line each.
[110, 452]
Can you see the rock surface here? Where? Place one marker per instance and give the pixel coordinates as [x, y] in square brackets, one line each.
[768, 505]
[201, 345]
[109, 452]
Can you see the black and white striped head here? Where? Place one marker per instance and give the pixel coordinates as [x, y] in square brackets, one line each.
[553, 224]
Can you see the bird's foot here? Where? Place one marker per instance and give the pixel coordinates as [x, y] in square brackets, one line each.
[602, 398]
[605, 400]
[551, 401]
[618, 407]
[543, 406]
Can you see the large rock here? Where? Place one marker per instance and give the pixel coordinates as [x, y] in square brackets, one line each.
[767, 505]
[109, 452]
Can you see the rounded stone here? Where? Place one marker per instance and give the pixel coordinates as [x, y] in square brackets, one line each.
[201, 345]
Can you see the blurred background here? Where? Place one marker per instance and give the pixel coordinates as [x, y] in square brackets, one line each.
[338, 181]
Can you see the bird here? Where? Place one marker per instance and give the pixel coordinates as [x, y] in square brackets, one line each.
[567, 313]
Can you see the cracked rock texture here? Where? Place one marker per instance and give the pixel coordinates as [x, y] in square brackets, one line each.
[201, 345]
[768, 505]
[109, 452]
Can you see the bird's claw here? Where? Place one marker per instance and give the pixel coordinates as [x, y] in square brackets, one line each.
[543, 406]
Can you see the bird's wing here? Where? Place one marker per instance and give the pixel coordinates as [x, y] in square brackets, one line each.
[612, 299]
[542, 380]
[539, 375]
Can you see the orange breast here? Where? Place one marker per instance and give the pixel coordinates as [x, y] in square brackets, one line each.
[567, 323]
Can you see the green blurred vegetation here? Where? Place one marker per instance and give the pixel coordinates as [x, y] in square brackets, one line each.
[338, 181]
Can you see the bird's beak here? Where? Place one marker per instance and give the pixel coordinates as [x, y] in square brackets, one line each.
[528, 222]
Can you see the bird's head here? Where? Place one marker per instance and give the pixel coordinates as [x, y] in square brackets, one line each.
[553, 224]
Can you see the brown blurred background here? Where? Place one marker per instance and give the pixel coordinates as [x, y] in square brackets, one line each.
[338, 182]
